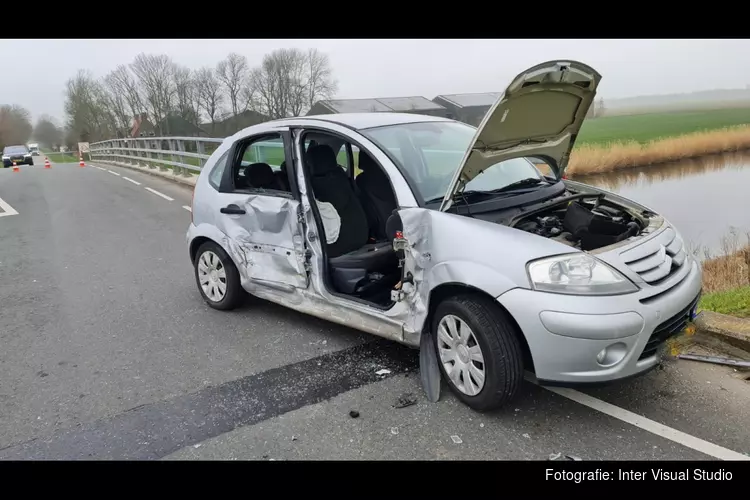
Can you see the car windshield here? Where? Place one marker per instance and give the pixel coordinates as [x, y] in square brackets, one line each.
[14, 150]
[432, 151]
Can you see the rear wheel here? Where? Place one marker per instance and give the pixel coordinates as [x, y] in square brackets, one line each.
[478, 351]
[217, 277]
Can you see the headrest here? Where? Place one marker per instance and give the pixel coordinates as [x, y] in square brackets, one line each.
[260, 175]
[366, 163]
[322, 159]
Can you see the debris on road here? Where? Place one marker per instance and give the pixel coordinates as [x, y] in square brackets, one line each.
[457, 439]
[382, 372]
[405, 400]
[354, 414]
[196, 446]
[294, 438]
[526, 435]
[394, 431]
[716, 360]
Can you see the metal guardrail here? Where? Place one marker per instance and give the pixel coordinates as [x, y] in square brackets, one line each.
[182, 154]
[187, 155]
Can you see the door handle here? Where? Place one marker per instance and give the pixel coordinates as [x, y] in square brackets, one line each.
[233, 209]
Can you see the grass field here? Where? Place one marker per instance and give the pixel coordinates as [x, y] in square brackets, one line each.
[60, 157]
[649, 127]
[616, 142]
[726, 279]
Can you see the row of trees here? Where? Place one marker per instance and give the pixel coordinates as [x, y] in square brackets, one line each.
[286, 83]
[16, 128]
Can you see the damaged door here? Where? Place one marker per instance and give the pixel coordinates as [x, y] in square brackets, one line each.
[260, 213]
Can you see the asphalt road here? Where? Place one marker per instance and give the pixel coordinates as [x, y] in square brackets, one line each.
[109, 352]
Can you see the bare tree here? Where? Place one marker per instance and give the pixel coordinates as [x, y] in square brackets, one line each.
[46, 132]
[122, 82]
[185, 90]
[89, 118]
[116, 101]
[320, 83]
[289, 81]
[232, 72]
[155, 77]
[208, 88]
[15, 125]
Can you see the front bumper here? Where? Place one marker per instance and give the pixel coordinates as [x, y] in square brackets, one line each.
[22, 161]
[566, 333]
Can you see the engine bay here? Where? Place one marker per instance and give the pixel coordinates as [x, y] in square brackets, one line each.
[585, 223]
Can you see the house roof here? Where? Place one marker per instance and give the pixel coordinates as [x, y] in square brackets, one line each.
[471, 100]
[381, 104]
[177, 125]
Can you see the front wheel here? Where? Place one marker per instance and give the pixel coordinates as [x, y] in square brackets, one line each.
[478, 351]
[217, 277]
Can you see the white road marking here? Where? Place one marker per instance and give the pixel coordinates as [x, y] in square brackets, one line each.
[157, 193]
[644, 423]
[187, 208]
[100, 168]
[131, 180]
[113, 173]
[7, 209]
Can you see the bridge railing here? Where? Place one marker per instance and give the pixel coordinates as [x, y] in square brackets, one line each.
[187, 155]
[184, 155]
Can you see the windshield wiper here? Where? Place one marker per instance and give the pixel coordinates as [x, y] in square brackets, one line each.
[531, 181]
[460, 195]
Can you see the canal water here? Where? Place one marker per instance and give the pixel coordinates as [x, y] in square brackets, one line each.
[707, 199]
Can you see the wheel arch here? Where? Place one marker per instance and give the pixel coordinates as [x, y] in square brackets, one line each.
[452, 289]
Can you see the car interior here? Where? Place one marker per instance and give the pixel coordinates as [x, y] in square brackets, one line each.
[260, 169]
[361, 262]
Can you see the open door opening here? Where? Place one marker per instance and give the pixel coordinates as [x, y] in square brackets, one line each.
[355, 207]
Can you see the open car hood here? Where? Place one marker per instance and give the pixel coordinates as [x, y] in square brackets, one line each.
[539, 115]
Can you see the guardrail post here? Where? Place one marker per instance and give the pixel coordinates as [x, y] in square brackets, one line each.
[200, 146]
[172, 146]
[161, 156]
[181, 148]
[147, 154]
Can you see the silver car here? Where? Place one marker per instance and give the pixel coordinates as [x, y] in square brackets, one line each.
[449, 239]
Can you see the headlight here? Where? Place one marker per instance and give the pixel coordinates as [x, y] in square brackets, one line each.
[577, 274]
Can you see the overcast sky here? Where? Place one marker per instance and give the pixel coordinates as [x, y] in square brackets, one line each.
[35, 71]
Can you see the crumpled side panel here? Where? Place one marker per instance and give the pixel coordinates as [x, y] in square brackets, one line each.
[417, 229]
[266, 242]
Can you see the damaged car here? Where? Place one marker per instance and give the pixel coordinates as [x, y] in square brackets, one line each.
[449, 239]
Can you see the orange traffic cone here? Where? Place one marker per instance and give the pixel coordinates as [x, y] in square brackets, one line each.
[47, 164]
[15, 167]
[81, 164]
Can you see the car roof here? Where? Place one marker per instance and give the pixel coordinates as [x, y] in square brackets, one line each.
[370, 120]
[21, 146]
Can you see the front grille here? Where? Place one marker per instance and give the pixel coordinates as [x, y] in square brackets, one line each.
[667, 329]
[658, 259]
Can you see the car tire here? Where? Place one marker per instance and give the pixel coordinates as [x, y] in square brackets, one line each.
[234, 293]
[500, 349]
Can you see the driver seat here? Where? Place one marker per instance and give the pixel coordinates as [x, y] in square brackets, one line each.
[350, 270]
